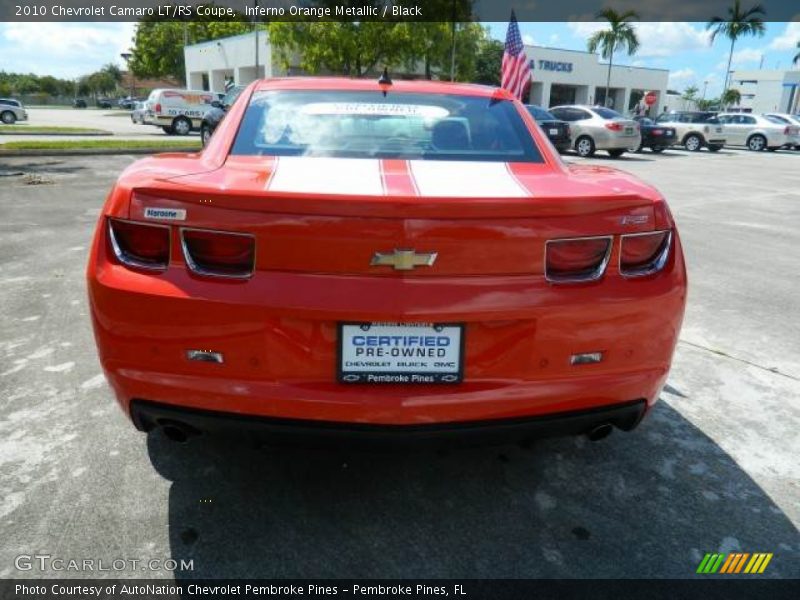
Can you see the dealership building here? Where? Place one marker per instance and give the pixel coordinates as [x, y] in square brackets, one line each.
[768, 91]
[557, 76]
[574, 77]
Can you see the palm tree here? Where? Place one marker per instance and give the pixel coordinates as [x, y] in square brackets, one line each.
[690, 92]
[620, 35]
[738, 23]
[730, 97]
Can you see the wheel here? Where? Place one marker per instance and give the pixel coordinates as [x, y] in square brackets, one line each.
[205, 134]
[168, 130]
[715, 148]
[8, 117]
[693, 143]
[584, 146]
[182, 126]
[616, 153]
[756, 143]
[658, 149]
[133, 119]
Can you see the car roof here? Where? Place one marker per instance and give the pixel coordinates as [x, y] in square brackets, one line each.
[407, 86]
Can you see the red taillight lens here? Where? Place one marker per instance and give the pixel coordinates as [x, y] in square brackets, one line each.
[157, 108]
[614, 126]
[218, 253]
[644, 253]
[657, 131]
[574, 260]
[139, 245]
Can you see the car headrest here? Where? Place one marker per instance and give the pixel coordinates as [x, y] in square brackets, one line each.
[450, 135]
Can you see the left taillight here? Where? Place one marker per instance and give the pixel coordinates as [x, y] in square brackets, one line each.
[139, 245]
[643, 254]
[577, 260]
[614, 126]
[219, 253]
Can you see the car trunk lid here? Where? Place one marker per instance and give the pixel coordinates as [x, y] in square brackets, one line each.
[333, 217]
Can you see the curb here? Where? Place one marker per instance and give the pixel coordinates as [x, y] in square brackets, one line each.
[95, 151]
[58, 133]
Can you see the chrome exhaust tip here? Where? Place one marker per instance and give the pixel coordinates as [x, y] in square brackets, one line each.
[601, 431]
[177, 432]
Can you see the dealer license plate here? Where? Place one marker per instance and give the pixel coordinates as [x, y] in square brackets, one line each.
[400, 353]
[629, 131]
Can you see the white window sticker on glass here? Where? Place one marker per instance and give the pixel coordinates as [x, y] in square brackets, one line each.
[375, 108]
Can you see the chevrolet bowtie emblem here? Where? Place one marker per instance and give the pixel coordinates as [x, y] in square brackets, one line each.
[403, 260]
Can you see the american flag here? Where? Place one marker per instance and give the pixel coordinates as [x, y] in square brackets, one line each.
[515, 72]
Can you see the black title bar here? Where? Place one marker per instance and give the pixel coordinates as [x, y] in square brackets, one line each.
[374, 10]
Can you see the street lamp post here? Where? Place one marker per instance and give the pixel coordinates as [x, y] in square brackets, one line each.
[127, 58]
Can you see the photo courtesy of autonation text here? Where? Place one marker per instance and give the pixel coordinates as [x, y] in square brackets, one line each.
[372, 299]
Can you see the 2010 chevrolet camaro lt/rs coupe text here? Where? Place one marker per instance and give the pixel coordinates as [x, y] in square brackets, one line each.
[396, 259]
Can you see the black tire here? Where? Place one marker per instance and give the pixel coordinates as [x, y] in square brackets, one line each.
[715, 148]
[8, 117]
[205, 134]
[181, 126]
[584, 146]
[615, 153]
[658, 149]
[168, 130]
[756, 143]
[693, 142]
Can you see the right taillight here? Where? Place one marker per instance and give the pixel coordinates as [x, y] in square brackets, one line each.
[140, 245]
[219, 253]
[644, 253]
[577, 260]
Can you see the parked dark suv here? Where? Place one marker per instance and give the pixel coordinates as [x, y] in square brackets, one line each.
[216, 113]
[555, 129]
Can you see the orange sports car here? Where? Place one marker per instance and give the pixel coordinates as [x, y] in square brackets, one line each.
[400, 259]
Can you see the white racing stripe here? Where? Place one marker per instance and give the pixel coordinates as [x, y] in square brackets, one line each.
[320, 175]
[465, 179]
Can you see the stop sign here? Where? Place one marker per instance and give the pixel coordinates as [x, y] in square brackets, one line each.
[650, 98]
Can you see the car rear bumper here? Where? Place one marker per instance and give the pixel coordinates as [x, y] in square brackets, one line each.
[187, 422]
[278, 333]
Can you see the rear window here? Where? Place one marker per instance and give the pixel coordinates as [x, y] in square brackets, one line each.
[607, 113]
[540, 114]
[367, 124]
[775, 119]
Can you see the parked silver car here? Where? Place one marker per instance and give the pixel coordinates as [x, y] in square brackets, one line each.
[599, 128]
[758, 132]
[138, 112]
[786, 119]
[12, 111]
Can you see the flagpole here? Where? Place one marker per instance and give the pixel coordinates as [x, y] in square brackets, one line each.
[453, 48]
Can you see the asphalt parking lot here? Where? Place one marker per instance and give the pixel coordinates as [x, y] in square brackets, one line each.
[714, 469]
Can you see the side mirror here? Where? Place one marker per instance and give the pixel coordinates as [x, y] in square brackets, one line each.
[216, 104]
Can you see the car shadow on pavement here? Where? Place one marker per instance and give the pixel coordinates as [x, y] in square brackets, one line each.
[649, 503]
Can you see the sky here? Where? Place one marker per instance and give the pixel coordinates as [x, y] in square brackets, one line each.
[69, 50]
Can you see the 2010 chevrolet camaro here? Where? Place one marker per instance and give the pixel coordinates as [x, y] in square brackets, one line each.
[408, 258]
